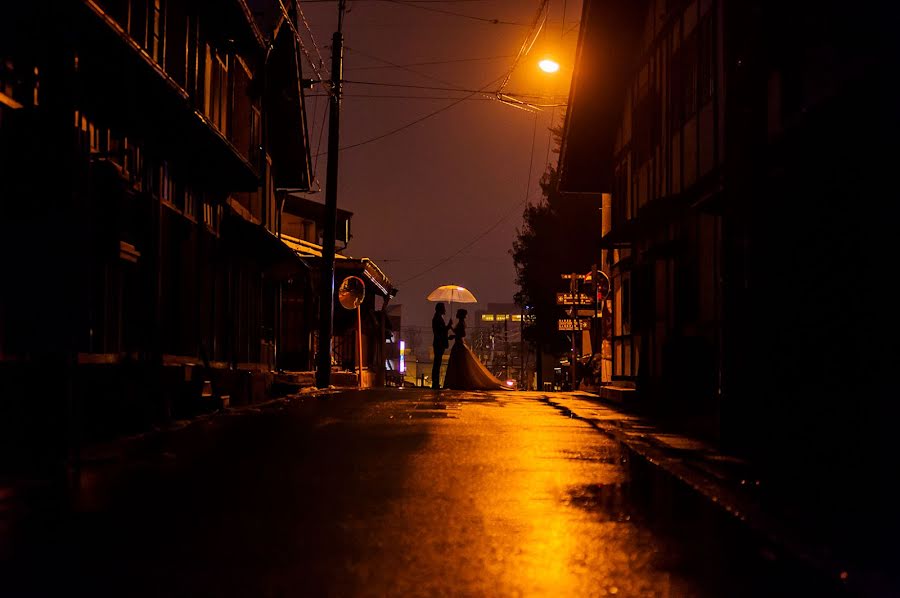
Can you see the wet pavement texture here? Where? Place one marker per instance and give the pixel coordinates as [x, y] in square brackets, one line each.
[381, 493]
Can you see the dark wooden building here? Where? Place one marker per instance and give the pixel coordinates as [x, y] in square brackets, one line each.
[142, 144]
[301, 229]
[745, 145]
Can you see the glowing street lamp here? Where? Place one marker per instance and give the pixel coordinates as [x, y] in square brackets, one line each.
[549, 66]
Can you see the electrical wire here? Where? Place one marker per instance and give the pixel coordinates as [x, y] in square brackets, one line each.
[410, 1]
[479, 237]
[400, 97]
[455, 14]
[418, 120]
[430, 63]
[486, 98]
[299, 38]
[312, 37]
[550, 135]
[394, 64]
[531, 157]
[319, 142]
[451, 89]
[490, 229]
[409, 86]
[533, 33]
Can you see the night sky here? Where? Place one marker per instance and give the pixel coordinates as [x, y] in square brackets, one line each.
[423, 194]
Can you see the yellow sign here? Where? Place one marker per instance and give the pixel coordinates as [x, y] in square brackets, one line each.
[570, 299]
[570, 325]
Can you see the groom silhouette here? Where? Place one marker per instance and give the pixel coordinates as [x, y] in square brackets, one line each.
[440, 344]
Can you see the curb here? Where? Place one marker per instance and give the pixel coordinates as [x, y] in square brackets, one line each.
[121, 448]
[741, 508]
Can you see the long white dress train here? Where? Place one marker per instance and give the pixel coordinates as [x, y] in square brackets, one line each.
[464, 370]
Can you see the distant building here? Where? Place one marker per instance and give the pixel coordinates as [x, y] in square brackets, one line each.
[495, 336]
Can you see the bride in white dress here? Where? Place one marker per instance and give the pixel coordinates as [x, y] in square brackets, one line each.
[464, 370]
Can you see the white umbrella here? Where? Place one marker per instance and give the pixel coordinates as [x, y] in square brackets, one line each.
[451, 293]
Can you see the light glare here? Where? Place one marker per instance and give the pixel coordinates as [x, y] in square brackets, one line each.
[549, 66]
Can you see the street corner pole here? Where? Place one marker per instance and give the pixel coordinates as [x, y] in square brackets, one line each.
[575, 326]
[326, 298]
[359, 345]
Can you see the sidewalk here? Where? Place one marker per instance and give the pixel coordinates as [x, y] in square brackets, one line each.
[737, 487]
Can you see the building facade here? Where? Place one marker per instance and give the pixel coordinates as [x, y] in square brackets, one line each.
[142, 143]
[739, 143]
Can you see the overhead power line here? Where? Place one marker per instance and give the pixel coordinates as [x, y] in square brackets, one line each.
[537, 25]
[477, 238]
[418, 120]
[410, 86]
[312, 37]
[427, 97]
[410, 1]
[395, 65]
[299, 38]
[428, 63]
[322, 128]
[454, 14]
[451, 89]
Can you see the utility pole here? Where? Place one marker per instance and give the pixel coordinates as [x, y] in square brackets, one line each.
[506, 340]
[326, 298]
[576, 325]
[523, 384]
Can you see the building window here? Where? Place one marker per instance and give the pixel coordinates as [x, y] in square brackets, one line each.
[36, 87]
[137, 22]
[645, 126]
[190, 203]
[255, 137]
[211, 215]
[134, 163]
[7, 84]
[117, 150]
[707, 57]
[684, 82]
[167, 189]
[155, 37]
[216, 88]
[89, 134]
[309, 231]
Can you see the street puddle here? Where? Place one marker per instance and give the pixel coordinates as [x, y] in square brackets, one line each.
[609, 502]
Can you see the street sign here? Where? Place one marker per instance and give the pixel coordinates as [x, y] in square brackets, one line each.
[578, 276]
[569, 325]
[572, 299]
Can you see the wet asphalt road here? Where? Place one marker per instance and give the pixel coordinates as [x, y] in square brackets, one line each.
[373, 493]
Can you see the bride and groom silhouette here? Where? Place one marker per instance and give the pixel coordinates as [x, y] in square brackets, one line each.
[464, 370]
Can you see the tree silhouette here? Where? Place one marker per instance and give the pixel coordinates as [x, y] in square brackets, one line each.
[560, 234]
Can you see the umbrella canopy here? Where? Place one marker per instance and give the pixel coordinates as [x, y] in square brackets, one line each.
[452, 293]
